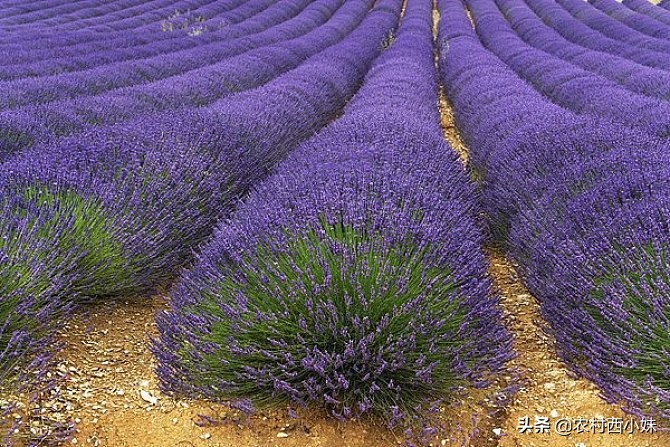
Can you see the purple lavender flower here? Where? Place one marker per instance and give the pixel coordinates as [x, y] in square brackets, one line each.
[353, 278]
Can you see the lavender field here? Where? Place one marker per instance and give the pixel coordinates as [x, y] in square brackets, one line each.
[335, 223]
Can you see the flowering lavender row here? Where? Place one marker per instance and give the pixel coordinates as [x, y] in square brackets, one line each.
[632, 19]
[69, 63]
[36, 11]
[610, 27]
[129, 20]
[143, 28]
[100, 79]
[579, 33]
[141, 196]
[138, 15]
[42, 12]
[250, 18]
[649, 9]
[32, 34]
[563, 83]
[270, 26]
[582, 207]
[632, 76]
[30, 126]
[353, 278]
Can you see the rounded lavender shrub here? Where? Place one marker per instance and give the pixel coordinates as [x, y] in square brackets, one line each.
[36, 280]
[364, 298]
[593, 245]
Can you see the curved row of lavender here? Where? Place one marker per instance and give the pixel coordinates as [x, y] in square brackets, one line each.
[632, 76]
[570, 28]
[632, 19]
[614, 29]
[55, 59]
[128, 18]
[135, 71]
[353, 278]
[145, 16]
[120, 209]
[564, 83]
[42, 44]
[581, 204]
[321, 24]
[249, 18]
[649, 9]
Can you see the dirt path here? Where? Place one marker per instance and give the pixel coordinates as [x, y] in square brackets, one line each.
[111, 392]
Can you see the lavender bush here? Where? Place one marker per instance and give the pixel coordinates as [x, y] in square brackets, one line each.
[610, 27]
[353, 278]
[647, 81]
[566, 84]
[575, 31]
[633, 19]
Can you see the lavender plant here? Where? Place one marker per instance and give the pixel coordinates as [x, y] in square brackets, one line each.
[352, 279]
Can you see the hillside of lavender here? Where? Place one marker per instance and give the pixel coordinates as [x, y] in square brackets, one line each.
[277, 169]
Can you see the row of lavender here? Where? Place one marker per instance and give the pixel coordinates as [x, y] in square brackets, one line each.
[120, 15]
[64, 56]
[55, 56]
[260, 23]
[146, 30]
[249, 63]
[580, 200]
[353, 278]
[121, 208]
[165, 58]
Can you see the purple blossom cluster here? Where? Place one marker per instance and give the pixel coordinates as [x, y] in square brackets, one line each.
[352, 279]
[579, 202]
[120, 208]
